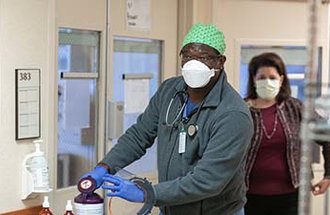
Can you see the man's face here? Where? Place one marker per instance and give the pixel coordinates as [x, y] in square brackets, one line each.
[205, 54]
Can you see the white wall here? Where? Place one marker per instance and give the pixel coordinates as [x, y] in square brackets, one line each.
[24, 40]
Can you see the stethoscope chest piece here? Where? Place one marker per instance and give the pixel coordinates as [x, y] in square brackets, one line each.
[192, 130]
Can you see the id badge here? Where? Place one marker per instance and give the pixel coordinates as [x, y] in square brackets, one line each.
[182, 142]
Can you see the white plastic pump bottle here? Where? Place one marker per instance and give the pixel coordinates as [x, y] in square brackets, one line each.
[37, 165]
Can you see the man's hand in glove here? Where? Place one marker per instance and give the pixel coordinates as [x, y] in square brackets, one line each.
[119, 187]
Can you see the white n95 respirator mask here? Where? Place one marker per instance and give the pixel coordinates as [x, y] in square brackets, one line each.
[196, 74]
[267, 88]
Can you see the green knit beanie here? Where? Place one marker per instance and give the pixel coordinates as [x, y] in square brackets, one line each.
[206, 34]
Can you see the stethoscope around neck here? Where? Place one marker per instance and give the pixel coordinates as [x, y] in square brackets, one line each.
[192, 128]
[184, 98]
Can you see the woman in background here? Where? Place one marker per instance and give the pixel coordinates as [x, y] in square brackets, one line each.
[272, 169]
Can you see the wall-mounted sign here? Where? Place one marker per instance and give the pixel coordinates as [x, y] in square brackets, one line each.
[27, 103]
[138, 14]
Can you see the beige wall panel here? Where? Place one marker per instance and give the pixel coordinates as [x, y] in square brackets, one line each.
[24, 44]
[203, 11]
[77, 14]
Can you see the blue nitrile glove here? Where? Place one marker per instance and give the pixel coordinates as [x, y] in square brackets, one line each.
[119, 187]
[97, 174]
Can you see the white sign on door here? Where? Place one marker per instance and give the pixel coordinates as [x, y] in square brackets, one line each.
[138, 14]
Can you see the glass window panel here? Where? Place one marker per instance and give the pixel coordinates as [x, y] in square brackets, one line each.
[78, 51]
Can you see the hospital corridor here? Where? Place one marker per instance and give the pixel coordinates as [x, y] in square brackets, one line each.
[165, 107]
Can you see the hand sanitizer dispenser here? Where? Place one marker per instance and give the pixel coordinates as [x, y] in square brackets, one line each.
[35, 177]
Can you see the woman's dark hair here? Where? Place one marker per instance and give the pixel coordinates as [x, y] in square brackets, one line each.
[268, 59]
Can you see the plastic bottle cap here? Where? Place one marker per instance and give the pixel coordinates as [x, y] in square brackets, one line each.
[45, 204]
[68, 206]
[38, 151]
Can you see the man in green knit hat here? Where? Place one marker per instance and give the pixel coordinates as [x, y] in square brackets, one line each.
[203, 129]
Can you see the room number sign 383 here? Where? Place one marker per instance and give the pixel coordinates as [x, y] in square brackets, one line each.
[25, 76]
[28, 77]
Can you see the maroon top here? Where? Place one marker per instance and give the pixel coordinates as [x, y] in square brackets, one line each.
[270, 174]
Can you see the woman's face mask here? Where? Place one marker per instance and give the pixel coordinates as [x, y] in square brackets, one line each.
[268, 88]
[196, 74]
